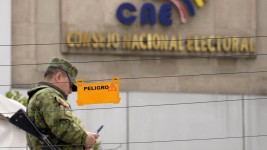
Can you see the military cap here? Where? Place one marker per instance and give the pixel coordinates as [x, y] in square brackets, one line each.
[70, 69]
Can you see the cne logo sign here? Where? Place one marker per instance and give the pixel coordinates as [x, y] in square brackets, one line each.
[148, 14]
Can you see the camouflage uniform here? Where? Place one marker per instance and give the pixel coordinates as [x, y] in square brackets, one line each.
[52, 115]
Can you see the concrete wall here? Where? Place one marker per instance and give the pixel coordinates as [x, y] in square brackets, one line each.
[188, 121]
[189, 117]
[45, 21]
[5, 51]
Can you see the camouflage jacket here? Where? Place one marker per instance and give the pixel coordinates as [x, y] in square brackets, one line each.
[51, 114]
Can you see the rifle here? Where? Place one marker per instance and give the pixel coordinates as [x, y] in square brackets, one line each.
[22, 121]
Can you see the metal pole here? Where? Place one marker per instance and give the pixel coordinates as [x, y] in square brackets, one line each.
[243, 124]
[127, 122]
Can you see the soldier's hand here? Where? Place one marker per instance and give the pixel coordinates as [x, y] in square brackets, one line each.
[94, 134]
[91, 140]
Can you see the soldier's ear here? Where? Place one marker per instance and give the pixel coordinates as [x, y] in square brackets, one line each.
[58, 76]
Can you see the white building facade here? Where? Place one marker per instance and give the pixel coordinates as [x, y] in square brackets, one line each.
[189, 83]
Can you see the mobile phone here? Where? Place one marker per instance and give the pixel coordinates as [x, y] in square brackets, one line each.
[99, 129]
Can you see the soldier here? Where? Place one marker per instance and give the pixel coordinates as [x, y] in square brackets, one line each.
[50, 112]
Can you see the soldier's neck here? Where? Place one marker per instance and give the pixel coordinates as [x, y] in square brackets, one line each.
[54, 87]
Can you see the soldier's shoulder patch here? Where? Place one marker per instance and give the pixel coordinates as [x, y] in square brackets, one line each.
[63, 103]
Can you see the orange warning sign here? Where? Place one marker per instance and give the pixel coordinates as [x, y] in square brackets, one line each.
[98, 93]
[112, 87]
